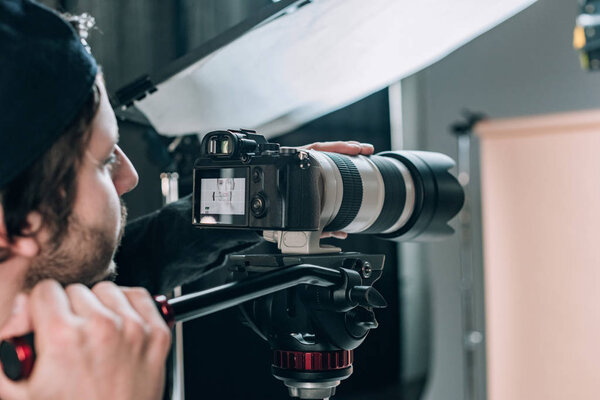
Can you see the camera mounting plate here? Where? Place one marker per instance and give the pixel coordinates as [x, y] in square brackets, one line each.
[299, 242]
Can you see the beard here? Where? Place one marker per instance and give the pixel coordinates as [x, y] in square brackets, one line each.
[85, 255]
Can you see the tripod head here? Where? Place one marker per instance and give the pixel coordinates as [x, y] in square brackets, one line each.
[313, 329]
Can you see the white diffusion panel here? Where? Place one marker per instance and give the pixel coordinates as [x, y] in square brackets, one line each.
[325, 55]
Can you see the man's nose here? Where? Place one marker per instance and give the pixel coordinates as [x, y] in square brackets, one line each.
[126, 177]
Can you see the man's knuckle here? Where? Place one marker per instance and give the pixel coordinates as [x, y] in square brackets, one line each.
[135, 329]
[138, 293]
[104, 325]
[41, 288]
[103, 286]
[162, 337]
[63, 333]
[74, 287]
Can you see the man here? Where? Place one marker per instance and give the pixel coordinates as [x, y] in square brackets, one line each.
[61, 178]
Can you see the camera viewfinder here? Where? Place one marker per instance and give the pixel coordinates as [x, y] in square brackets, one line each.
[220, 145]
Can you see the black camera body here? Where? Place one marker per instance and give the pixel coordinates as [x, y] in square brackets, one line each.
[243, 181]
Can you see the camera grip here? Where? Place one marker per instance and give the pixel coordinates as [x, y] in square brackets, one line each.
[17, 355]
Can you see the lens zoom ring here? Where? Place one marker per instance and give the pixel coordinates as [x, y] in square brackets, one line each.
[353, 192]
[395, 195]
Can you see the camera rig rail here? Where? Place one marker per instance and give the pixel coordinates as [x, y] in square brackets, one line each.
[313, 310]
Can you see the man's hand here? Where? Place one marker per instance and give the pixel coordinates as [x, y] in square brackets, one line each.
[351, 148]
[104, 343]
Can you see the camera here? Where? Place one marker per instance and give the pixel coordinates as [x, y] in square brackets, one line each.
[324, 304]
[242, 181]
[292, 194]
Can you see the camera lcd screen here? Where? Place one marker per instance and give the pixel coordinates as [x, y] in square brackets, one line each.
[223, 197]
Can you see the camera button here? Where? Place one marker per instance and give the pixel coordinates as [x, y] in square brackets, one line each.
[257, 174]
[258, 205]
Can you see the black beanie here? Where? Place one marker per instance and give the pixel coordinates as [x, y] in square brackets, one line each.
[46, 75]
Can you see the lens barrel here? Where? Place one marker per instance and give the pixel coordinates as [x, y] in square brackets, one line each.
[406, 195]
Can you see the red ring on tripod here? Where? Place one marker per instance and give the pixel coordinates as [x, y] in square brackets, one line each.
[313, 361]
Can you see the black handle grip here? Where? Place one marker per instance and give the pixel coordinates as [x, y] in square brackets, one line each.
[17, 355]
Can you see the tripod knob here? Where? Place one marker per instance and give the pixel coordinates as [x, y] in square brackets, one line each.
[367, 296]
[363, 318]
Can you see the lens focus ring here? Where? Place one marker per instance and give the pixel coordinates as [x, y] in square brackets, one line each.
[353, 192]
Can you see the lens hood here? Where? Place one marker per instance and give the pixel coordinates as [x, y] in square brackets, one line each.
[438, 196]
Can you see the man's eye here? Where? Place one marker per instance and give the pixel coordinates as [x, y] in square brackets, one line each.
[111, 162]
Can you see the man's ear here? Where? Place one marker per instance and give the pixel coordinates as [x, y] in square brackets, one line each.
[25, 245]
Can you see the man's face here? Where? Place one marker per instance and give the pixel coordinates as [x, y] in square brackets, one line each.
[86, 253]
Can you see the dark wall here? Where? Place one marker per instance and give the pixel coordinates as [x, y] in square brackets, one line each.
[135, 37]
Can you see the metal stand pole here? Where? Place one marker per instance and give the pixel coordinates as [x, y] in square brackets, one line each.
[169, 183]
[472, 334]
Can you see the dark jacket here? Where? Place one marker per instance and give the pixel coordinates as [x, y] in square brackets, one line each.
[163, 250]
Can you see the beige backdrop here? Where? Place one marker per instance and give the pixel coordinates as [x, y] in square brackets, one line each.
[541, 225]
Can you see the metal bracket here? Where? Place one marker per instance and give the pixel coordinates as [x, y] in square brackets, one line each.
[302, 242]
